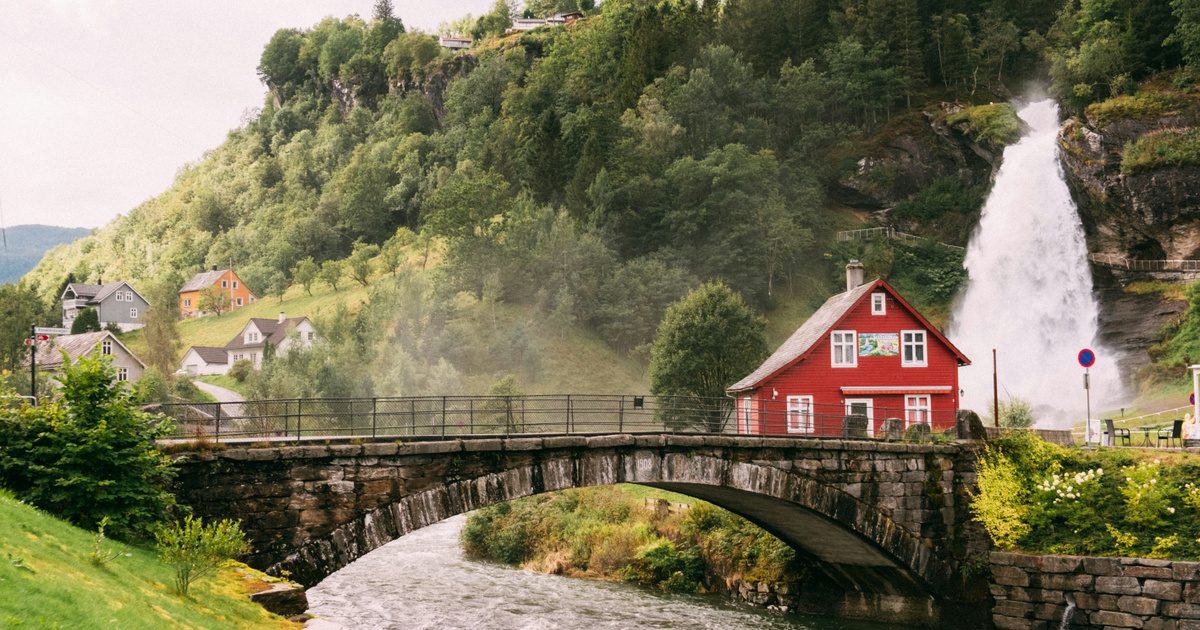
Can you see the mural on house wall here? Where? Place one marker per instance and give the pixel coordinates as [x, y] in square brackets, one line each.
[878, 344]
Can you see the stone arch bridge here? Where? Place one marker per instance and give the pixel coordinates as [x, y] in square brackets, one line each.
[885, 523]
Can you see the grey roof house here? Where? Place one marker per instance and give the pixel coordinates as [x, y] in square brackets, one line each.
[50, 354]
[116, 303]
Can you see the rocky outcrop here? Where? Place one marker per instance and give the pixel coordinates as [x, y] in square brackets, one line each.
[1148, 215]
[911, 152]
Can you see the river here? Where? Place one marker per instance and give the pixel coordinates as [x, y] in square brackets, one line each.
[422, 581]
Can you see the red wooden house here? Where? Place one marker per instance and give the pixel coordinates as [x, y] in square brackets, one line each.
[865, 352]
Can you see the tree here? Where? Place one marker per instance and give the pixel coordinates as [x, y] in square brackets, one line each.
[331, 273]
[213, 300]
[90, 454]
[22, 309]
[706, 341]
[496, 21]
[360, 262]
[1187, 32]
[162, 337]
[305, 272]
[391, 255]
[88, 320]
[195, 550]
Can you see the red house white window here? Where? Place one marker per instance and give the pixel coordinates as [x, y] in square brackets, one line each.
[800, 414]
[844, 345]
[912, 348]
[916, 409]
[878, 304]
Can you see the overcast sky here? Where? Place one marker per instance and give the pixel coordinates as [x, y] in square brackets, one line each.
[101, 101]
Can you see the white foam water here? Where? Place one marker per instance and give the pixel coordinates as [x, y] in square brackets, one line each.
[1029, 293]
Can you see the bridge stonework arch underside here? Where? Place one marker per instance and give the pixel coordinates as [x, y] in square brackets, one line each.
[885, 525]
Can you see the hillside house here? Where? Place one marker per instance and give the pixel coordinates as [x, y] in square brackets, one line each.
[50, 354]
[865, 354]
[223, 283]
[455, 42]
[115, 303]
[520, 25]
[282, 335]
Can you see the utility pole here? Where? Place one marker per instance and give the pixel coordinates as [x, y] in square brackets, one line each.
[33, 362]
[995, 392]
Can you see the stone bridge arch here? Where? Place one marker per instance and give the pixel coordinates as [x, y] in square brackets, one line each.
[884, 523]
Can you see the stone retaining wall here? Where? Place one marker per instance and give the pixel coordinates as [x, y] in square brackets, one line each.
[1033, 592]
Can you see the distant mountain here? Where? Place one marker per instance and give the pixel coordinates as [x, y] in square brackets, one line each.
[26, 244]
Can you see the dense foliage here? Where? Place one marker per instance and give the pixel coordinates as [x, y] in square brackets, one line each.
[611, 533]
[195, 549]
[88, 454]
[1039, 497]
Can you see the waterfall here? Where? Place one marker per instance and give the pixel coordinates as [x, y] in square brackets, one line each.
[1029, 291]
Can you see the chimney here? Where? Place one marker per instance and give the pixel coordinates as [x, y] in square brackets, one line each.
[282, 317]
[214, 268]
[854, 274]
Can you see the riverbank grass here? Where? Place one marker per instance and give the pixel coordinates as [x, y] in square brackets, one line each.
[47, 580]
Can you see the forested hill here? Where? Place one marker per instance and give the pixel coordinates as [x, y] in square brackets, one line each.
[24, 246]
[602, 168]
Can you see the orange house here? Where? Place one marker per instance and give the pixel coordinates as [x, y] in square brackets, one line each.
[222, 285]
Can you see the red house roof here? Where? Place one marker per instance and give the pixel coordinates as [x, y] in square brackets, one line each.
[831, 313]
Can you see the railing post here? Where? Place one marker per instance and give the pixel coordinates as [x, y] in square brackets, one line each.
[471, 414]
[522, 415]
[286, 420]
[621, 415]
[508, 417]
[374, 415]
[412, 416]
[217, 425]
[570, 416]
[443, 416]
[299, 416]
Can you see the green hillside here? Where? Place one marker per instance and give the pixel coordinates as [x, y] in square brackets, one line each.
[47, 581]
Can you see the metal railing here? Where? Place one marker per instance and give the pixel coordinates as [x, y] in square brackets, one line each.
[428, 417]
[1113, 261]
[869, 234]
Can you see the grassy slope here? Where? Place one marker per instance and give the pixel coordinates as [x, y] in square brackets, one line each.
[46, 581]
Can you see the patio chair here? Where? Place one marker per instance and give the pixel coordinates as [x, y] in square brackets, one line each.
[1114, 434]
[1175, 432]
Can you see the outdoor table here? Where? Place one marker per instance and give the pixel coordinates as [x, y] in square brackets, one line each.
[1146, 436]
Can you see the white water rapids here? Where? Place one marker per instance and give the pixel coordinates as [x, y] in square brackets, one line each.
[1029, 292]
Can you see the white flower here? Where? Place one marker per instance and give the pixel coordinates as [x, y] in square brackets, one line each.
[1171, 510]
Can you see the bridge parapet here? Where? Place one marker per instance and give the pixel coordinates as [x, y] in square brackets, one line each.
[886, 522]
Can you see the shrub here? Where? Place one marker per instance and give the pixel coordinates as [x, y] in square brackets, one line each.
[999, 504]
[1015, 413]
[195, 550]
[1168, 147]
[90, 454]
[1132, 106]
[102, 553]
[996, 123]
[241, 370]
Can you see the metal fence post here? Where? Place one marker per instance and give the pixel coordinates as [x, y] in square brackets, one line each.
[299, 416]
[443, 416]
[570, 416]
[508, 417]
[471, 414]
[621, 415]
[412, 416]
[217, 425]
[374, 415]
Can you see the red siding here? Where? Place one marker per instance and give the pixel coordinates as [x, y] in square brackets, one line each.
[814, 376]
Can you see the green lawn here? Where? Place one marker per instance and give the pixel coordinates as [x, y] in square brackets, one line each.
[46, 581]
[223, 380]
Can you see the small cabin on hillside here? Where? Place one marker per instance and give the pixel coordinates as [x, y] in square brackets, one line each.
[220, 285]
[51, 355]
[866, 357]
[116, 303]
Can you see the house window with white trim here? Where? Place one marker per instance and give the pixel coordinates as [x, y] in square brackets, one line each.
[235, 284]
[917, 409]
[133, 313]
[239, 301]
[122, 374]
[187, 302]
[878, 304]
[912, 348]
[844, 345]
[129, 296]
[106, 346]
[800, 414]
[224, 284]
[120, 296]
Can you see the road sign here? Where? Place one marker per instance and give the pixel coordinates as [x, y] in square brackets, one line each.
[1192, 399]
[47, 330]
[1087, 358]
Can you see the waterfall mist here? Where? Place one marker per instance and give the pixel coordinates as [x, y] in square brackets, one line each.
[1029, 292]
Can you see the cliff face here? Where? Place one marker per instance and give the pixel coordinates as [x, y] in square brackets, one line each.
[1148, 214]
[910, 153]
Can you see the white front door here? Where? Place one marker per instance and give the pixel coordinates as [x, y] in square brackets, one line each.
[862, 407]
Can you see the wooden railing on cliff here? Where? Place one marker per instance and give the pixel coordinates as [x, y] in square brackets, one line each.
[890, 233]
[1113, 261]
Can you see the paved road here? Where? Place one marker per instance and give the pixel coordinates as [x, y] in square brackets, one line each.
[218, 392]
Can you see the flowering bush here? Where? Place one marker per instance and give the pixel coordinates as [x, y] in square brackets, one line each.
[1042, 498]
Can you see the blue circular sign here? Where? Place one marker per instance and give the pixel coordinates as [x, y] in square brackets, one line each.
[1087, 358]
[1192, 398]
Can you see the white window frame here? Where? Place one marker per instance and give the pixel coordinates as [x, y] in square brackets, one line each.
[122, 374]
[914, 405]
[800, 414]
[187, 302]
[879, 303]
[224, 284]
[239, 301]
[906, 342]
[106, 347]
[120, 296]
[235, 284]
[837, 338]
[870, 411]
[312, 336]
[129, 296]
[133, 313]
